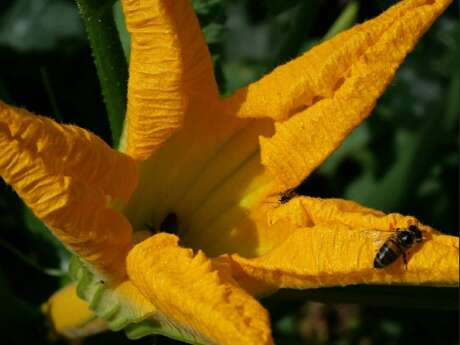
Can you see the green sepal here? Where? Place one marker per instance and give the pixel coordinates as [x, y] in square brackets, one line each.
[147, 327]
[118, 314]
[101, 299]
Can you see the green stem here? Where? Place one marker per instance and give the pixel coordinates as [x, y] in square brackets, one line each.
[110, 62]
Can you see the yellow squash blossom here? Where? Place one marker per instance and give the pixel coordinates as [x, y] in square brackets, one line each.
[214, 170]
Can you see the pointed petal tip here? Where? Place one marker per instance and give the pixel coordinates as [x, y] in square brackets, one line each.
[326, 93]
[296, 85]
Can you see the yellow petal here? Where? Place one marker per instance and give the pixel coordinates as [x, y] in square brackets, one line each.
[68, 177]
[331, 89]
[196, 296]
[222, 208]
[320, 72]
[70, 315]
[335, 244]
[170, 71]
[210, 174]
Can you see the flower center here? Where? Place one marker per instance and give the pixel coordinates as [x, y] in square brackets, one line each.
[204, 183]
[170, 224]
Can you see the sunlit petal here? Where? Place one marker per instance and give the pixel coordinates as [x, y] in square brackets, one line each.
[195, 295]
[69, 177]
[331, 89]
[170, 71]
[335, 244]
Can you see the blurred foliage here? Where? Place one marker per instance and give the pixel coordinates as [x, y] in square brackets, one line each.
[38, 25]
[404, 158]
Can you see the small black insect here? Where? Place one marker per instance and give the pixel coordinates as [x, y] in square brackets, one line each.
[286, 196]
[397, 245]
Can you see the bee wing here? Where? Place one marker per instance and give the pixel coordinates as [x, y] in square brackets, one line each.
[378, 237]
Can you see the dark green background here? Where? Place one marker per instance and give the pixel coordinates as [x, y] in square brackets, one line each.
[404, 158]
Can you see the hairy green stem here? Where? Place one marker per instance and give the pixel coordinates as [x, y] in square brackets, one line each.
[110, 61]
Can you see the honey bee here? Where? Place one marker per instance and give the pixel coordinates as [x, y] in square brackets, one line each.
[397, 245]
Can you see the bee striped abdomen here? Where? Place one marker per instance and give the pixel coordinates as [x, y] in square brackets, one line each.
[396, 245]
[388, 253]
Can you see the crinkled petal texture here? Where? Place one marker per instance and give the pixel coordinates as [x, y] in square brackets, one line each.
[170, 71]
[331, 89]
[195, 295]
[224, 170]
[335, 243]
[68, 177]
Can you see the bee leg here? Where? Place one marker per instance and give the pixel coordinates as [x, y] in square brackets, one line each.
[405, 260]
